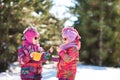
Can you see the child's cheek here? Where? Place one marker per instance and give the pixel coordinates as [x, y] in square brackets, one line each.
[66, 42]
[35, 41]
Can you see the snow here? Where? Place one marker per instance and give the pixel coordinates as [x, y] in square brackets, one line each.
[84, 72]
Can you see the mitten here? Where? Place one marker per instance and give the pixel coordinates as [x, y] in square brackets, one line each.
[55, 59]
[46, 55]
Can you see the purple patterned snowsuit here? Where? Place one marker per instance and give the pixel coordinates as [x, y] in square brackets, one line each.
[30, 69]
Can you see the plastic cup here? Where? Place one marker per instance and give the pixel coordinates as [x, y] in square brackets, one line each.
[36, 56]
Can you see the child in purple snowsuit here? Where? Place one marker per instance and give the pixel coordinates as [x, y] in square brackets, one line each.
[31, 69]
[68, 53]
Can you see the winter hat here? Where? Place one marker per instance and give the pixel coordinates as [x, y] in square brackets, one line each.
[29, 33]
[70, 33]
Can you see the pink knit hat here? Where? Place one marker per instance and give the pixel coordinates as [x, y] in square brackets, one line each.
[70, 33]
[29, 33]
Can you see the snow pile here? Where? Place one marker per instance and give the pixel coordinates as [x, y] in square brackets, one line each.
[84, 72]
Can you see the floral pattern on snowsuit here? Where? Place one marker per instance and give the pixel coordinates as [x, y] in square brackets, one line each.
[68, 63]
[31, 69]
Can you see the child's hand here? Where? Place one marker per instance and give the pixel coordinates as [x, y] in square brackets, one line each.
[51, 49]
[58, 49]
[31, 55]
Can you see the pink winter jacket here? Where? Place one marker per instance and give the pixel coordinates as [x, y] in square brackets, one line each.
[30, 68]
[68, 63]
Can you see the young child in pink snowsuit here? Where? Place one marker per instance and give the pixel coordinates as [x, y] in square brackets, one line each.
[31, 66]
[68, 54]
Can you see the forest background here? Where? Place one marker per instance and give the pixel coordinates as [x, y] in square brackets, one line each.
[98, 23]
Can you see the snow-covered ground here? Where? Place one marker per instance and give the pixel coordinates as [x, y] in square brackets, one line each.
[84, 72]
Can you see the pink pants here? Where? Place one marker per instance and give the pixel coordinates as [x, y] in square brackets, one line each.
[63, 79]
[31, 79]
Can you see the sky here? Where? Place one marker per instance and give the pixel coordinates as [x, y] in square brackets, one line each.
[61, 11]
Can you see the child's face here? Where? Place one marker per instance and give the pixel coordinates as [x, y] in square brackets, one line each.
[65, 40]
[36, 40]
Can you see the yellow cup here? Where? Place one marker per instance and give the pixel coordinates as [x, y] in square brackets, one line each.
[36, 56]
